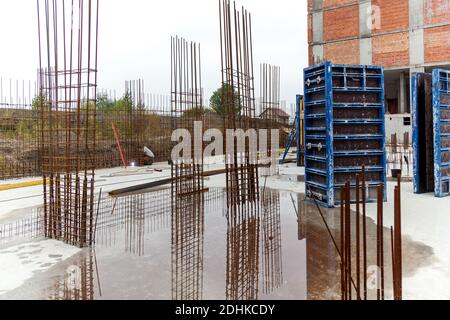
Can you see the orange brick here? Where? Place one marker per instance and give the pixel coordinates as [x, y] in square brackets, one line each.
[391, 50]
[334, 3]
[346, 52]
[436, 11]
[394, 14]
[341, 23]
[437, 44]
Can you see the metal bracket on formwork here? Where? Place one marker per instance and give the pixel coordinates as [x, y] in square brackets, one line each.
[308, 82]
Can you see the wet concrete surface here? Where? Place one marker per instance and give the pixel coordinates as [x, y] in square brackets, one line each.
[142, 251]
[292, 178]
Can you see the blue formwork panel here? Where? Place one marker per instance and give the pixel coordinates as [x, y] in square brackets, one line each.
[423, 132]
[441, 126]
[344, 129]
[431, 132]
[415, 94]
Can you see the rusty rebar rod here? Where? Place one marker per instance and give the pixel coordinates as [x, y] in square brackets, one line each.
[394, 270]
[380, 241]
[343, 253]
[349, 236]
[342, 233]
[364, 197]
[358, 238]
[398, 276]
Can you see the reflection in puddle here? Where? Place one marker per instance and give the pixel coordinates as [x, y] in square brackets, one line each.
[242, 257]
[278, 250]
[188, 215]
[78, 281]
[132, 217]
[272, 258]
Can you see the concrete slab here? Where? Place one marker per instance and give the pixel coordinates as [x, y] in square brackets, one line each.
[426, 220]
[22, 262]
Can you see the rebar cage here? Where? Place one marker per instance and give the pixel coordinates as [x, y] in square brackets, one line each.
[68, 42]
[188, 203]
[238, 98]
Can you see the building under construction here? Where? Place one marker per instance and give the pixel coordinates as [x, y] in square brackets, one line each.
[110, 194]
[405, 37]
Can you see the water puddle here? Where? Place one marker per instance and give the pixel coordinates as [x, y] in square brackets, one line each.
[279, 250]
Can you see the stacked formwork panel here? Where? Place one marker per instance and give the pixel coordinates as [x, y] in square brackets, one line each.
[423, 142]
[344, 129]
[431, 132]
[441, 126]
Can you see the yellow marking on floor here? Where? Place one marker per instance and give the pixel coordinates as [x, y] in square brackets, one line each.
[20, 185]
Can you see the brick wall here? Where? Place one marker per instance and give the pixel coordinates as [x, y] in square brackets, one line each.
[394, 14]
[391, 50]
[341, 23]
[436, 11]
[437, 44]
[334, 3]
[346, 52]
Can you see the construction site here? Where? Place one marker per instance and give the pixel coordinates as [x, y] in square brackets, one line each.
[339, 190]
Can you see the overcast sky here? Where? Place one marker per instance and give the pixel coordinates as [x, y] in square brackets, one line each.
[135, 40]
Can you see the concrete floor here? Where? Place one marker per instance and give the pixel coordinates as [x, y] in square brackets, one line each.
[426, 220]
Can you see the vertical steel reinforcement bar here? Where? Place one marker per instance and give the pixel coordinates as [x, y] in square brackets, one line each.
[68, 45]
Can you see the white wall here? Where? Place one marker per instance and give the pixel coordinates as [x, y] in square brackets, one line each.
[394, 124]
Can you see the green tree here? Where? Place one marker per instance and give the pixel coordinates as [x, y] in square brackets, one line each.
[125, 103]
[28, 126]
[40, 101]
[104, 103]
[107, 105]
[216, 103]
